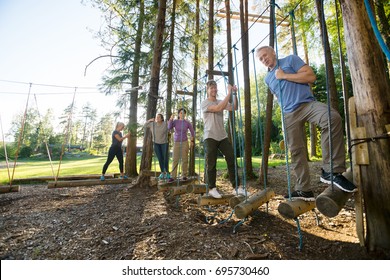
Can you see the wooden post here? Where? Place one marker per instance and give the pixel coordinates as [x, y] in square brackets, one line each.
[359, 212]
[178, 190]
[209, 200]
[248, 206]
[291, 209]
[236, 200]
[8, 189]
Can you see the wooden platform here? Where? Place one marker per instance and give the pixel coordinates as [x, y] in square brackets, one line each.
[291, 209]
[83, 183]
[209, 200]
[62, 178]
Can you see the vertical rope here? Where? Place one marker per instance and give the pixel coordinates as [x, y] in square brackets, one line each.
[20, 138]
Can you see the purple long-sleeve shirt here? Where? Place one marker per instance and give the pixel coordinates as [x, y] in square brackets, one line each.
[181, 127]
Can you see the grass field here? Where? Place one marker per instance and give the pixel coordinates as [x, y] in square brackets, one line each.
[88, 165]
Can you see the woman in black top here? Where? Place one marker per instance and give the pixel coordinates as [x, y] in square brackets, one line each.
[116, 150]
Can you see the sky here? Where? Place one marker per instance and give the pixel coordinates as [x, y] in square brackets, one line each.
[49, 42]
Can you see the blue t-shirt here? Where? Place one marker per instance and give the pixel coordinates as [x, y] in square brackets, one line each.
[291, 94]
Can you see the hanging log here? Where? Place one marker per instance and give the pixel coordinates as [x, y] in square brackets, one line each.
[8, 189]
[83, 183]
[181, 182]
[290, 209]
[236, 200]
[251, 204]
[174, 191]
[331, 201]
[209, 200]
[197, 188]
[61, 178]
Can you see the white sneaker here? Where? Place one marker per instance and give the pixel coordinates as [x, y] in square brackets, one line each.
[240, 191]
[214, 193]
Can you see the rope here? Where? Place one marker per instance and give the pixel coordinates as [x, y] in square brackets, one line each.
[327, 95]
[67, 136]
[378, 35]
[259, 117]
[20, 136]
[5, 150]
[284, 126]
[44, 136]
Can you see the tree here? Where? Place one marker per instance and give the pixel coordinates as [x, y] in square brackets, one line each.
[371, 88]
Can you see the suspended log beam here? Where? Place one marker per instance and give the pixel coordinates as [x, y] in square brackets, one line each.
[61, 178]
[181, 182]
[251, 204]
[82, 183]
[8, 189]
[331, 201]
[174, 191]
[209, 200]
[217, 73]
[291, 209]
[236, 200]
[253, 18]
[197, 188]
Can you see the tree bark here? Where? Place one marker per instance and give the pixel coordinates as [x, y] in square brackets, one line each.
[372, 97]
[147, 149]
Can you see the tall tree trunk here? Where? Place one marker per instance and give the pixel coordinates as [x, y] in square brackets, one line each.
[147, 149]
[195, 88]
[331, 85]
[170, 62]
[247, 89]
[268, 111]
[211, 40]
[372, 97]
[131, 154]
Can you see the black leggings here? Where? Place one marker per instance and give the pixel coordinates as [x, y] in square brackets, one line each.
[115, 151]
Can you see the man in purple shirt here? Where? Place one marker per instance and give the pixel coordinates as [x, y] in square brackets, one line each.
[180, 147]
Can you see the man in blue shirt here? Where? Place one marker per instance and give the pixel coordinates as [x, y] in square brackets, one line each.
[289, 78]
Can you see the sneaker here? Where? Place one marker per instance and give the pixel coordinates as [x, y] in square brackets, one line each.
[102, 178]
[161, 177]
[306, 196]
[214, 193]
[184, 179]
[239, 191]
[124, 177]
[339, 181]
[167, 176]
[171, 180]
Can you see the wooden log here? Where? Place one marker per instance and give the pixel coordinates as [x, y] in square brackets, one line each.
[181, 182]
[251, 204]
[178, 190]
[197, 188]
[290, 209]
[8, 189]
[236, 200]
[209, 200]
[61, 178]
[83, 183]
[331, 201]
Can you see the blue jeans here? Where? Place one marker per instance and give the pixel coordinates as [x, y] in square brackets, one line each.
[161, 151]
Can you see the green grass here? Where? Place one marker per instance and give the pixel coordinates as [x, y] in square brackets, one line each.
[90, 165]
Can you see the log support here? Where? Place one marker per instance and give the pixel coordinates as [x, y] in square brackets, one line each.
[331, 201]
[290, 209]
[8, 189]
[251, 204]
[83, 183]
[197, 188]
[209, 200]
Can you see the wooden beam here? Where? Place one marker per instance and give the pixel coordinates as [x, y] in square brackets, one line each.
[217, 73]
[291, 209]
[82, 183]
[209, 200]
[250, 205]
[181, 182]
[197, 188]
[331, 201]
[8, 189]
[253, 18]
[61, 178]
[184, 92]
[174, 191]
